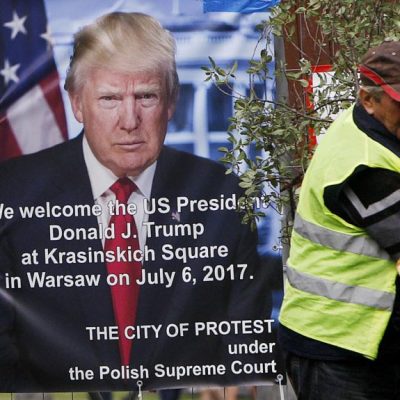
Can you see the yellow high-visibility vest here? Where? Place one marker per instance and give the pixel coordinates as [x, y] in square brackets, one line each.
[341, 283]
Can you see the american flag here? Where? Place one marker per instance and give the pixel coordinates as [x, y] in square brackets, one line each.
[32, 114]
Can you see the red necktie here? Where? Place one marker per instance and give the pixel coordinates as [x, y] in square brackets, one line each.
[124, 297]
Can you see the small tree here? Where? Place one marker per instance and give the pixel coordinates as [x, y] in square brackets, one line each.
[339, 32]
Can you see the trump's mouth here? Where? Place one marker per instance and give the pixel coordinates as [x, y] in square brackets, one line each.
[130, 146]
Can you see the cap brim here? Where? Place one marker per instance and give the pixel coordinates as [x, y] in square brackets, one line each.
[392, 90]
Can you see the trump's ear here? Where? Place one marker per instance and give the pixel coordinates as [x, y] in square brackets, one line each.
[171, 109]
[76, 104]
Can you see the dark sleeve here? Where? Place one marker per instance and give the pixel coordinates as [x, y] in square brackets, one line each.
[10, 366]
[13, 372]
[370, 199]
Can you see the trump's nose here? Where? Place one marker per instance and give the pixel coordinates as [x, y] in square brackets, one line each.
[129, 118]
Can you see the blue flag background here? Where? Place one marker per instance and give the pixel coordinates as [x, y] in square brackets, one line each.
[241, 6]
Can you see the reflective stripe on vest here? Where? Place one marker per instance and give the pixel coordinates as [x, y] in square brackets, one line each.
[373, 208]
[362, 245]
[340, 291]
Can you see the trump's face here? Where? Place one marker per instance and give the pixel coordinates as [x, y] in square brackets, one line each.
[125, 117]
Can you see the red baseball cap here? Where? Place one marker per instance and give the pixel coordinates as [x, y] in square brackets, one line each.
[380, 66]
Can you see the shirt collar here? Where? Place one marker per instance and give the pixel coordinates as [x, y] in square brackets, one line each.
[375, 129]
[101, 178]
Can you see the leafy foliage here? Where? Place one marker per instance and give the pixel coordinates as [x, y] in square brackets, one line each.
[339, 32]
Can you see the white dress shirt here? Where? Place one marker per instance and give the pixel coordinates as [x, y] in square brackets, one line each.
[101, 179]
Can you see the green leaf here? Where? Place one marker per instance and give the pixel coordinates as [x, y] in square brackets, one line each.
[303, 82]
[212, 62]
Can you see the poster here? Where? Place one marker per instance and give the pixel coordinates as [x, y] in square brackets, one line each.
[207, 287]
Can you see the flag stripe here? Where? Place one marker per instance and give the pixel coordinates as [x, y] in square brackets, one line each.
[51, 90]
[8, 145]
[33, 123]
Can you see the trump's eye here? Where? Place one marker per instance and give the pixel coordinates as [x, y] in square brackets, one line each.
[148, 99]
[108, 101]
[109, 97]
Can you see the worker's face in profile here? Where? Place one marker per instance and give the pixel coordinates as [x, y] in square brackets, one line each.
[125, 117]
[386, 110]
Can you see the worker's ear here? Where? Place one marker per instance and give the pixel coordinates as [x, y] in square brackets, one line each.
[367, 101]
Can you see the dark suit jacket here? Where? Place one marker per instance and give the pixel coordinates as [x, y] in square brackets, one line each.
[43, 330]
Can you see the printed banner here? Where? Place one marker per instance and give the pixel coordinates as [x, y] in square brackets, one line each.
[150, 281]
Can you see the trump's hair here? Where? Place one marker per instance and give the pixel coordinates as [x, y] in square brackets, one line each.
[125, 42]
